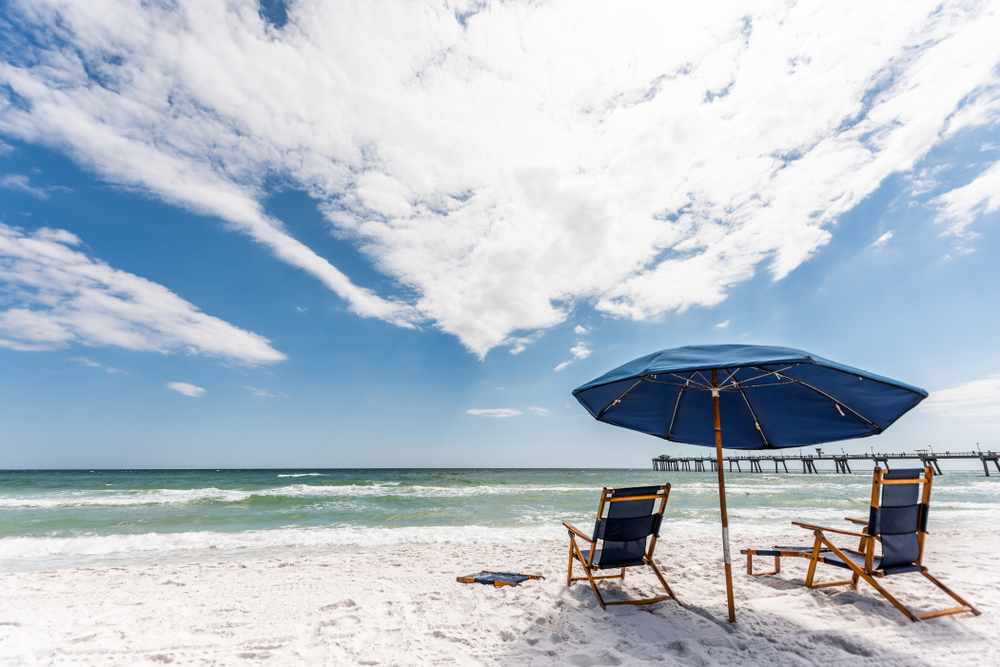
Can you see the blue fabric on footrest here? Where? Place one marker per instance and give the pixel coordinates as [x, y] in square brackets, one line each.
[493, 577]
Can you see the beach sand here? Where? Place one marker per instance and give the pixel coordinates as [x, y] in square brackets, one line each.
[404, 607]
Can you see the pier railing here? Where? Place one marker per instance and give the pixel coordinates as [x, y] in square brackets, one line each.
[808, 461]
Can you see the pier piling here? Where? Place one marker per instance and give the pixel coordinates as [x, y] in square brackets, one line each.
[841, 461]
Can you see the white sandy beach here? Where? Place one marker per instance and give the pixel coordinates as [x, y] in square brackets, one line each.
[404, 607]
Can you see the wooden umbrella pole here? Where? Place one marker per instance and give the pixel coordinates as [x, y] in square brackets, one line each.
[722, 497]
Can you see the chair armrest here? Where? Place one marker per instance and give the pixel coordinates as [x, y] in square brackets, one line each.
[576, 531]
[809, 526]
[861, 522]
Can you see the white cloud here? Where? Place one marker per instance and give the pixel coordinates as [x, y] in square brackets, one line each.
[579, 351]
[52, 296]
[881, 241]
[542, 412]
[958, 208]
[643, 157]
[979, 398]
[93, 364]
[722, 325]
[186, 389]
[579, 330]
[494, 412]
[263, 393]
[22, 183]
[519, 344]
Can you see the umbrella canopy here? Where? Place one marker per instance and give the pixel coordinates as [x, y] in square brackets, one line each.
[769, 397]
[760, 396]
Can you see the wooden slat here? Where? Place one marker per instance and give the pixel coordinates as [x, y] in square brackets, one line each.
[576, 531]
[810, 526]
[943, 612]
[646, 601]
[833, 583]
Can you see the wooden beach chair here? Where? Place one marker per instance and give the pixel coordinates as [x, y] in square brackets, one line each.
[619, 540]
[897, 521]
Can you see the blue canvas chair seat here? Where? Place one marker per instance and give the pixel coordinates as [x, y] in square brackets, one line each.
[608, 559]
[625, 536]
[828, 557]
[897, 523]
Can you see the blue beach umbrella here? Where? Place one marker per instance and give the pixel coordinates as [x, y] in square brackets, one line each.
[751, 397]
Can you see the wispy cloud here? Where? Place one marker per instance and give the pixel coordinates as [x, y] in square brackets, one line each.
[187, 389]
[519, 344]
[541, 411]
[881, 241]
[22, 183]
[580, 330]
[579, 351]
[959, 208]
[979, 398]
[722, 325]
[263, 393]
[494, 412]
[506, 168]
[56, 296]
[93, 364]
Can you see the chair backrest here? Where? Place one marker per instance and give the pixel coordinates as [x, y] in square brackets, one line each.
[630, 520]
[898, 514]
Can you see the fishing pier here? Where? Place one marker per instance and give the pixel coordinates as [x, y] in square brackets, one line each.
[841, 462]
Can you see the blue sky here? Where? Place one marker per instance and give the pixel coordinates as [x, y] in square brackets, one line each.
[400, 234]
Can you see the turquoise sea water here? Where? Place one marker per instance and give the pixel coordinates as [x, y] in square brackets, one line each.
[53, 519]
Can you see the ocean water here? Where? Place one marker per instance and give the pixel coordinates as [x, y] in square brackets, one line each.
[100, 518]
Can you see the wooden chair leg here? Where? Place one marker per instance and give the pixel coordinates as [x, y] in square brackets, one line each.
[590, 577]
[867, 577]
[813, 561]
[750, 553]
[569, 572]
[967, 607]
[663, 581]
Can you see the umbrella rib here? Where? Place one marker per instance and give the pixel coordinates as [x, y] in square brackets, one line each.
[768, 384]
[765, 372]
[878, 429]
[753, 414]
[617, 400]
[658, 381]
[677, 404]
[690, 380]
[730, 376]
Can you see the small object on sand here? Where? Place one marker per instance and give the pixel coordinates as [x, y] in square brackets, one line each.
[498, 579]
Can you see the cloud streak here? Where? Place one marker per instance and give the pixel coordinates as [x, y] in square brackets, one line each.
[493, 412]
[52, 296]
[642, 158]
[21, 183]
[979, 398]
[187, 389]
